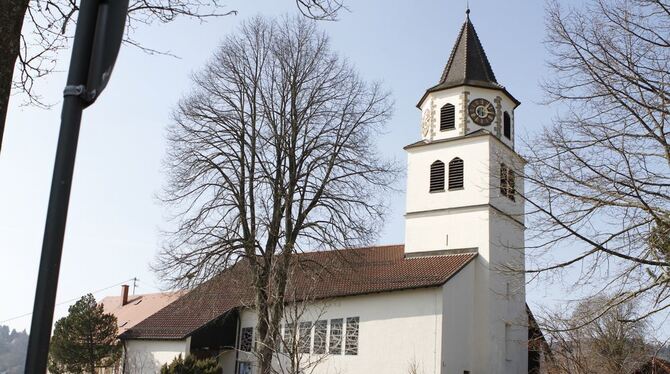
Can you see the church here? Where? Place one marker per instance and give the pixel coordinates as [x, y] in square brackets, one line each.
[450, 300]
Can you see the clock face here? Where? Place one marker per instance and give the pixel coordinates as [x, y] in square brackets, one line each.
[481, 112]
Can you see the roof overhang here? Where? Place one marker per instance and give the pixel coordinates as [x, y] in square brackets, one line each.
[471, 83]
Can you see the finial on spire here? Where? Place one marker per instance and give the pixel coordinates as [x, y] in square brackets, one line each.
[467, 9]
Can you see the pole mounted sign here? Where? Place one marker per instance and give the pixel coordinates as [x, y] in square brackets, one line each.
[97, 39]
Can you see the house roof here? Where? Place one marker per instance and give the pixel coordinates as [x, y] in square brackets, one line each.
[138, 308]
[468, 64]
[318, 275]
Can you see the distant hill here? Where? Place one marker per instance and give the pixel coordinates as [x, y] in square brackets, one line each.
[13, 346]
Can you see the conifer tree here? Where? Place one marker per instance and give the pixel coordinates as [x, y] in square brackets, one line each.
[84, 340]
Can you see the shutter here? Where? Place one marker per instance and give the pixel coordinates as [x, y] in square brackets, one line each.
[437, 176]
[455, 174]
[447, 117]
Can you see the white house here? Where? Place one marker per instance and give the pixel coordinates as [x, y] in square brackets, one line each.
[448, 301]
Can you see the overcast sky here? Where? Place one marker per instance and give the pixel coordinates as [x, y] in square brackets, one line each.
[114, 222]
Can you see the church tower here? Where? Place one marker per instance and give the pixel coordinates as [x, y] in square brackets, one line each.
[463, 195]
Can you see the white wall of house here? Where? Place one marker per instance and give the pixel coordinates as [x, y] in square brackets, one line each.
[147, 356]
[458, 322]
[396, 329]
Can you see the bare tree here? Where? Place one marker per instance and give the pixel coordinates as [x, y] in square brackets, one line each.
[295, 353]
[271, 154]
[599, 177]
[33, 32]
[607, 345]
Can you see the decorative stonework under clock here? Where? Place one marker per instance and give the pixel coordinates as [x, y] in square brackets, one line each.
[428, 120]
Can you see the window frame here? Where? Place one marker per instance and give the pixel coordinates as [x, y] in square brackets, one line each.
[448, 117]
[351, 337]
[507, 182]
[437, 176]
[320, 340]
[507, 125]
[335, 346]
[245, 346]
[305, 337]
[454, 175]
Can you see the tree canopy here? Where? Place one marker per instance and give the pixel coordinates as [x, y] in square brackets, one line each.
[84, 340]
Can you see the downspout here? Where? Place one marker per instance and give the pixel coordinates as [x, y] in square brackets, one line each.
[125, 355]
[237, 343]
[435, 363]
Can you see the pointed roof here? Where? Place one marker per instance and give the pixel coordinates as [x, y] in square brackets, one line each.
[468, 64]
[468, 61]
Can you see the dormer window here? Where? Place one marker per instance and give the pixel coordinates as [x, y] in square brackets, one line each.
[437, 176]
[507, 125]
[455, 174]
[447, 117]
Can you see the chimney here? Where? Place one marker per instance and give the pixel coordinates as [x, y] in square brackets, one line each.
[124, 294]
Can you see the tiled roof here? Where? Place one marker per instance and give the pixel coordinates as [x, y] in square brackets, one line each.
[138, 308]
[468, 61]
[320, 275]
[467, 65]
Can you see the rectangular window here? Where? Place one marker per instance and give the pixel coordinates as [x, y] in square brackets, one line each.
[244, 368]
[335, 346]
[289, 336]
[507, 187]
[246, 339]
[352, 336]
[320, 335]
[305, 337]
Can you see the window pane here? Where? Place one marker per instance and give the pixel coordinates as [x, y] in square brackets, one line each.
[455, 173]
[352, 336]
[246, 339]
[335, 347]
[507, 125]
[289, 335]
[245, 368]
[437, 176]
[320, 334]
[305, 337]
[447, 117]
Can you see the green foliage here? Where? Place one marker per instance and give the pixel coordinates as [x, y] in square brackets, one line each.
[13, 346]
[191, 365]
[84, 340]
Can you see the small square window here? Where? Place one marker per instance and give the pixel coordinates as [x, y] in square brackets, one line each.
[246, 339]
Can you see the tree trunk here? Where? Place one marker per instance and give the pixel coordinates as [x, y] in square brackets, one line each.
[12, 13]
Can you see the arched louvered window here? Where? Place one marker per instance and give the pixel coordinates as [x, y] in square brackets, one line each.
[507, 187]
[437, 176]
[507, 126]
[447, 117]
[455, 174]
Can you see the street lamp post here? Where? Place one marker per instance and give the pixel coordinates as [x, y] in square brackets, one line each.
[97, 39]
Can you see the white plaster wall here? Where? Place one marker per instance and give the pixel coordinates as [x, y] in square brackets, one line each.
[395, 329]
[475, 155]
[147, 356]
[465, 228]
[458, 322]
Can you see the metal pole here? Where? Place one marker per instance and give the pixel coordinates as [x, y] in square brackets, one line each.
[52, 246]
